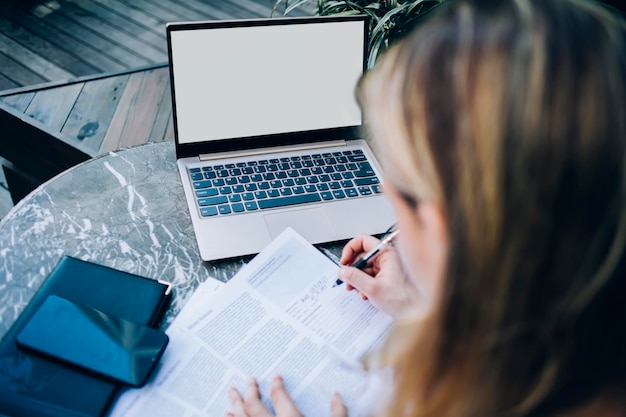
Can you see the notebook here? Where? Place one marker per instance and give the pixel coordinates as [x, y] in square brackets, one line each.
[268, 131]
[33, 386]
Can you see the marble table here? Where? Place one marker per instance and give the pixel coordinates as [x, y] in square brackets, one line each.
[125, 210]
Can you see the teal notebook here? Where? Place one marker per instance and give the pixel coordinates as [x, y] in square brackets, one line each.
[33, 386]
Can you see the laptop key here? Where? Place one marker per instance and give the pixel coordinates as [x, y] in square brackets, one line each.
[251, 205]
[327, 195]
[209, 175]
[247, 196]
[212, 201]
[201, 184]
[289, 201]
[238, 207]
[224, 209]
[193, 170]
[206, 192]
[351, 192]
[273, 193]
[339, 194]
[264, 185]
[208, 211]
[357, 158]
[366, 181]
[364, 173]
[231, 181]
[234, 198]
[238, 189]
[197, 176]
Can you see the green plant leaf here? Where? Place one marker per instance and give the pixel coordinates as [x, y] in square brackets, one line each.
[294, 5]
[387, 17]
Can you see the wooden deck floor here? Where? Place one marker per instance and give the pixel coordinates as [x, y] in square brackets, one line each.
[53, 40]
[46, 42]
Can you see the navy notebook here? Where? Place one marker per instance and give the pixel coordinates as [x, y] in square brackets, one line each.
[33, 386]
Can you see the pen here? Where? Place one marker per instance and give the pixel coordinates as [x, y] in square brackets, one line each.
[365, 260]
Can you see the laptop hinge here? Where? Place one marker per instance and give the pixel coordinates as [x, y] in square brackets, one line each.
[263, 151]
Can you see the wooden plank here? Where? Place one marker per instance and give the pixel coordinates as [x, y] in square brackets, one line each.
[143, 19]
[63, 38]
[87, 35]
[51, 107]
[19, 102]
[169, 131]
[122, 39]
[6, 84]
[154, 40]
[36, 63]
[44, 48]
[141, 116]
[136, 111]
[251, 9]
[163, 116]
[94, 108]
[209, 11]
[18, 73]
[155, 10]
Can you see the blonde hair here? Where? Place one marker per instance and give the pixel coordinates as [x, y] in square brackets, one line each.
[511, 116]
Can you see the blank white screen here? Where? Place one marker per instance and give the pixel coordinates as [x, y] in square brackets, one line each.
[252, 81]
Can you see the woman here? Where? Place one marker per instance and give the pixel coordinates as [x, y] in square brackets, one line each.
[502, 130]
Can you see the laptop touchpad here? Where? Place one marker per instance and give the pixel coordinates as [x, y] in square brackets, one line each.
[313, 224]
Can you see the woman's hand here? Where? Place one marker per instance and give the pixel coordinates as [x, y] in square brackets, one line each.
[252, 406]
[382, 282]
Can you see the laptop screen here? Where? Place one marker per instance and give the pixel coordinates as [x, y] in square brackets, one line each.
[235, 80]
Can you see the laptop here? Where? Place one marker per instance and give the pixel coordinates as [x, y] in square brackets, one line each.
[268, 131]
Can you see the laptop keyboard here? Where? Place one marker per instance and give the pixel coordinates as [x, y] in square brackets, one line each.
[272, 183]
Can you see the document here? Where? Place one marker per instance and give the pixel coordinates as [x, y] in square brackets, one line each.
[281, 314]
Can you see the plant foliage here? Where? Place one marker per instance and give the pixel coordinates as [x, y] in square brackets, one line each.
[389, 19]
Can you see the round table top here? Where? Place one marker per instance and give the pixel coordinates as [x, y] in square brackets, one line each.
[125, 210]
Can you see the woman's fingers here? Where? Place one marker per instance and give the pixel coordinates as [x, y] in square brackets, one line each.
[365, 284]
[357, 246]
[337, 407]
[283, 404]
[253, 404]
[237, 402]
